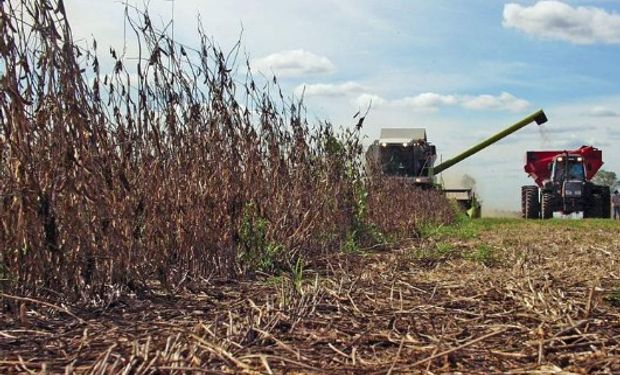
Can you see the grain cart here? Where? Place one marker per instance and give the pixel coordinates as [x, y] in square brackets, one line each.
[406, 153]
[564, 184]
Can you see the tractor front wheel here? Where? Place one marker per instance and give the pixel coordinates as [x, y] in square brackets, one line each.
[546, 205]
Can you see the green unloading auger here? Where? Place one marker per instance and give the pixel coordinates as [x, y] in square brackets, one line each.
[539, 117]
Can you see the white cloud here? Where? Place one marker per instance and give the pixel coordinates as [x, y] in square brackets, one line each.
[560, 21]
[366, 100]
[600, 111]
[426, 100]
[502, 102]
[430, 101]
[293, 63]
[329, 89]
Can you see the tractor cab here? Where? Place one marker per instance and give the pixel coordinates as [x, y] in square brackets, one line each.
[568, 182]
[568, 168]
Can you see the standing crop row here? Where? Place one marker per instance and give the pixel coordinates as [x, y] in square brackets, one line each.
[164, 171]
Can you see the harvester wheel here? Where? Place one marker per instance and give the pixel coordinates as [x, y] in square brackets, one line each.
[546, 205]
[530, 206]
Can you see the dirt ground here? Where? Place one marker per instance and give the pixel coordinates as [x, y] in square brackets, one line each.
[490, 296]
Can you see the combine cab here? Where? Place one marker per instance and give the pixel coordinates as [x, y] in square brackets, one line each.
[563, 184]
[404, 153]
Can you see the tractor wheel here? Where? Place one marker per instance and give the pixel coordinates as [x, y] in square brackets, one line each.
[596, 209]
[605, 202]
[530, 206]
[546, 206]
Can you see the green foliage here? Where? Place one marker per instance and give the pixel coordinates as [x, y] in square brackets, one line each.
[256, 252]
[444, 249]
[464, 228]
[290, 283]
[351, 243]
[606, 178]
[429, 230]
[614, 298]
[485, 255]
[4, 275]
[297, 273]
[363, 232]
[333, 146]
[441, 250]
[425, 254]
[274, 280]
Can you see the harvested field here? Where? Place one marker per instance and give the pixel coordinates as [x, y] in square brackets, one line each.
[489, 296]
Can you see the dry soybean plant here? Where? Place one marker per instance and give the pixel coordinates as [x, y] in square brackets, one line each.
[164, 171]
[400, 209]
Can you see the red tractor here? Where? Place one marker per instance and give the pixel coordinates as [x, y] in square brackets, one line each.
[563, 184]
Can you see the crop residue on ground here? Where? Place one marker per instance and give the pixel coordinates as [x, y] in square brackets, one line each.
[488, 296]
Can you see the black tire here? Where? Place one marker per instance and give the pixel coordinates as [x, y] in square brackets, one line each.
[530, 206]
[546, 205]
[599, 202]
[595, 209]
[605, 202]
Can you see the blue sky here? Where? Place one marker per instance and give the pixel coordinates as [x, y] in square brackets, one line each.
[461, 69]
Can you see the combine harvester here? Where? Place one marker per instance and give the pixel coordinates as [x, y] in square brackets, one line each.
[406, 153]
[564, 184]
